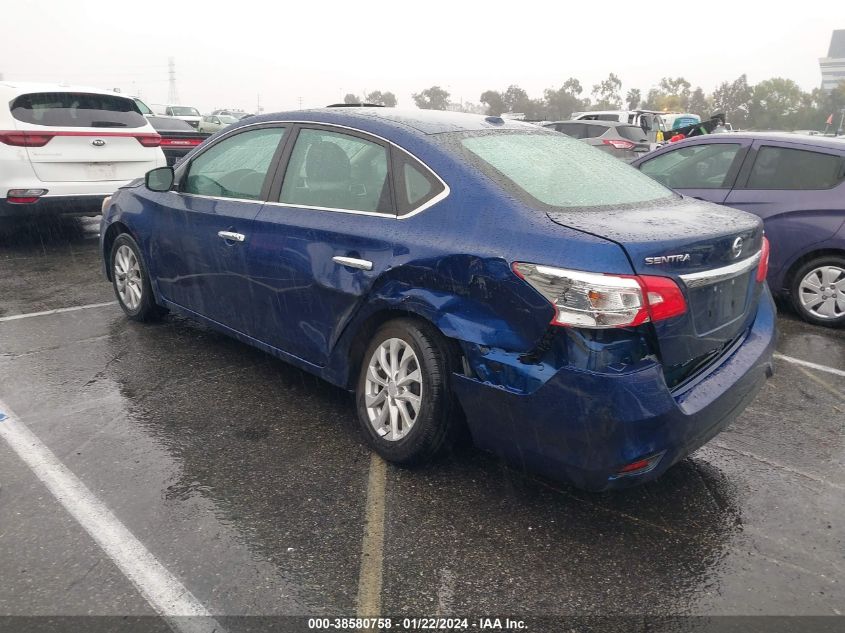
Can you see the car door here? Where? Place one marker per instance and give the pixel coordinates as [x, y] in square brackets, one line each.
[797, 190]
[706, 171]
[204, 227]
[328, 232]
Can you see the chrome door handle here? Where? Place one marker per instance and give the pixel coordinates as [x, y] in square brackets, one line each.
[360, 264]
[231, 236]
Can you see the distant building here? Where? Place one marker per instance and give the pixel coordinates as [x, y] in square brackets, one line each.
[833, 66]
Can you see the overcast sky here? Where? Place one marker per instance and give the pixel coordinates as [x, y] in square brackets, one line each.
[227, 53]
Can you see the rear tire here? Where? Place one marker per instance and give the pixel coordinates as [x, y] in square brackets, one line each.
[818, 291]
[405, 406]
[131, 282]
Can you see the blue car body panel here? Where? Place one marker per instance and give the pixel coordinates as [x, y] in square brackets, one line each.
[572, 403]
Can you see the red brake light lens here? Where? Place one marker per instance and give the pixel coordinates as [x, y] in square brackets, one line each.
[595, 300]
[618, 144]
[25, 139]
[763, 267]
[149, 140]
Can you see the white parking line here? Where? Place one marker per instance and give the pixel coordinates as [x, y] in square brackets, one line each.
[160, 588]
[15, 317]
[806, 363]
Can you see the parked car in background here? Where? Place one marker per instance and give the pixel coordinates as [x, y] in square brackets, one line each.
[796, 184]
[185, 113]
[215, 122]
[63, 149]
[579, 317]
[626, 142]
[177, 137]
[238, 114]
[675, 120]
[650, 121]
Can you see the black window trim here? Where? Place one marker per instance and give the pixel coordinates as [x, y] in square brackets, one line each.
[731, 176]
[758, 144]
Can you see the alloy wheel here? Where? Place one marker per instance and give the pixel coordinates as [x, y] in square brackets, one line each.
[393, 389]
[822, 292]
[127, 276]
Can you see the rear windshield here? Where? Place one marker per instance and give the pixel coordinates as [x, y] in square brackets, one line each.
[632, 133]
[558, 171]
[167, 123]
[77, 109]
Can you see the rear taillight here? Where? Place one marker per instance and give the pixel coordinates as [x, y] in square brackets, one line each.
[180, 142]
[24, 196]
[596, 300]
[763, 266]
[25, 139]
[149, 140]
[619, 144]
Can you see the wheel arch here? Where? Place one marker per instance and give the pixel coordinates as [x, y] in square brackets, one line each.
[115, 229]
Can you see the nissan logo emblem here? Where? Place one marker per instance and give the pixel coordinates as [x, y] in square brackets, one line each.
[737, 247]
[98, 142]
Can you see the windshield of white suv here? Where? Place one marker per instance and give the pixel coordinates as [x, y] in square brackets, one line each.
[560, 171]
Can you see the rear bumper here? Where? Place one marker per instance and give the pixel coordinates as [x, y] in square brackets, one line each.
[54, 205]
[585, 426]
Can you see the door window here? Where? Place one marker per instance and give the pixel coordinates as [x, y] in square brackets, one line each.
[415, 185]
[786, 168]
[337, 171]
[694, 167]
[235, 167]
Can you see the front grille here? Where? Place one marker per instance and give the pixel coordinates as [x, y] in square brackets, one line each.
[679, 376]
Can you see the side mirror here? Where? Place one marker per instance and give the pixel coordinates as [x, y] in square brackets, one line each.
[160, 179]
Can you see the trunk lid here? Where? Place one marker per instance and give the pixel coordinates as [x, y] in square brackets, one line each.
[710, 251]
[92, 155]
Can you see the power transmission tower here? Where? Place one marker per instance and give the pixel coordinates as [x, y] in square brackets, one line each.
[173, 94]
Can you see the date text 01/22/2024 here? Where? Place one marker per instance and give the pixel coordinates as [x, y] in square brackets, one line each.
[417, 624]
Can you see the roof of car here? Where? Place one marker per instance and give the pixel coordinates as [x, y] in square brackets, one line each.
[806, 139]
[14, 88]
[422, 121]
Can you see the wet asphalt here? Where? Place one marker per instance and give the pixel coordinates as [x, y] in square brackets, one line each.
[247, 480]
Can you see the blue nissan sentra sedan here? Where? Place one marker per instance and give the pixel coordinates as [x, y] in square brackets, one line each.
[459, 271]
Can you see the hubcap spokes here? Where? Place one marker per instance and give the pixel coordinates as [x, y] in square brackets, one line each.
[393, 389]
[127, 276]
[822, 292]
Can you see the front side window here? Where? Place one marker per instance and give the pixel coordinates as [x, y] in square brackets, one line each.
[705, 166]
[235, 167]
[337, 171]
[786, 168]
[559, 171]
[77, 109]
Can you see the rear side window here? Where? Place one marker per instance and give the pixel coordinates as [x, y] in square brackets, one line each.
[235, 167]
[337, 171]
[560, 171]
[786, 168]
[705, 166]
[77, 109]
[415, 185]
[632, 133]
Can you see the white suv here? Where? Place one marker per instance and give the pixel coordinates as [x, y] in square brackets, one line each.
[64, 149]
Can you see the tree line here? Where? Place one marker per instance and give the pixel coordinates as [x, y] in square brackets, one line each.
[775, 103]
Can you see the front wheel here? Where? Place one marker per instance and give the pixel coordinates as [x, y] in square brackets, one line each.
[131, 282]
[818, 291]
[405, 408]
